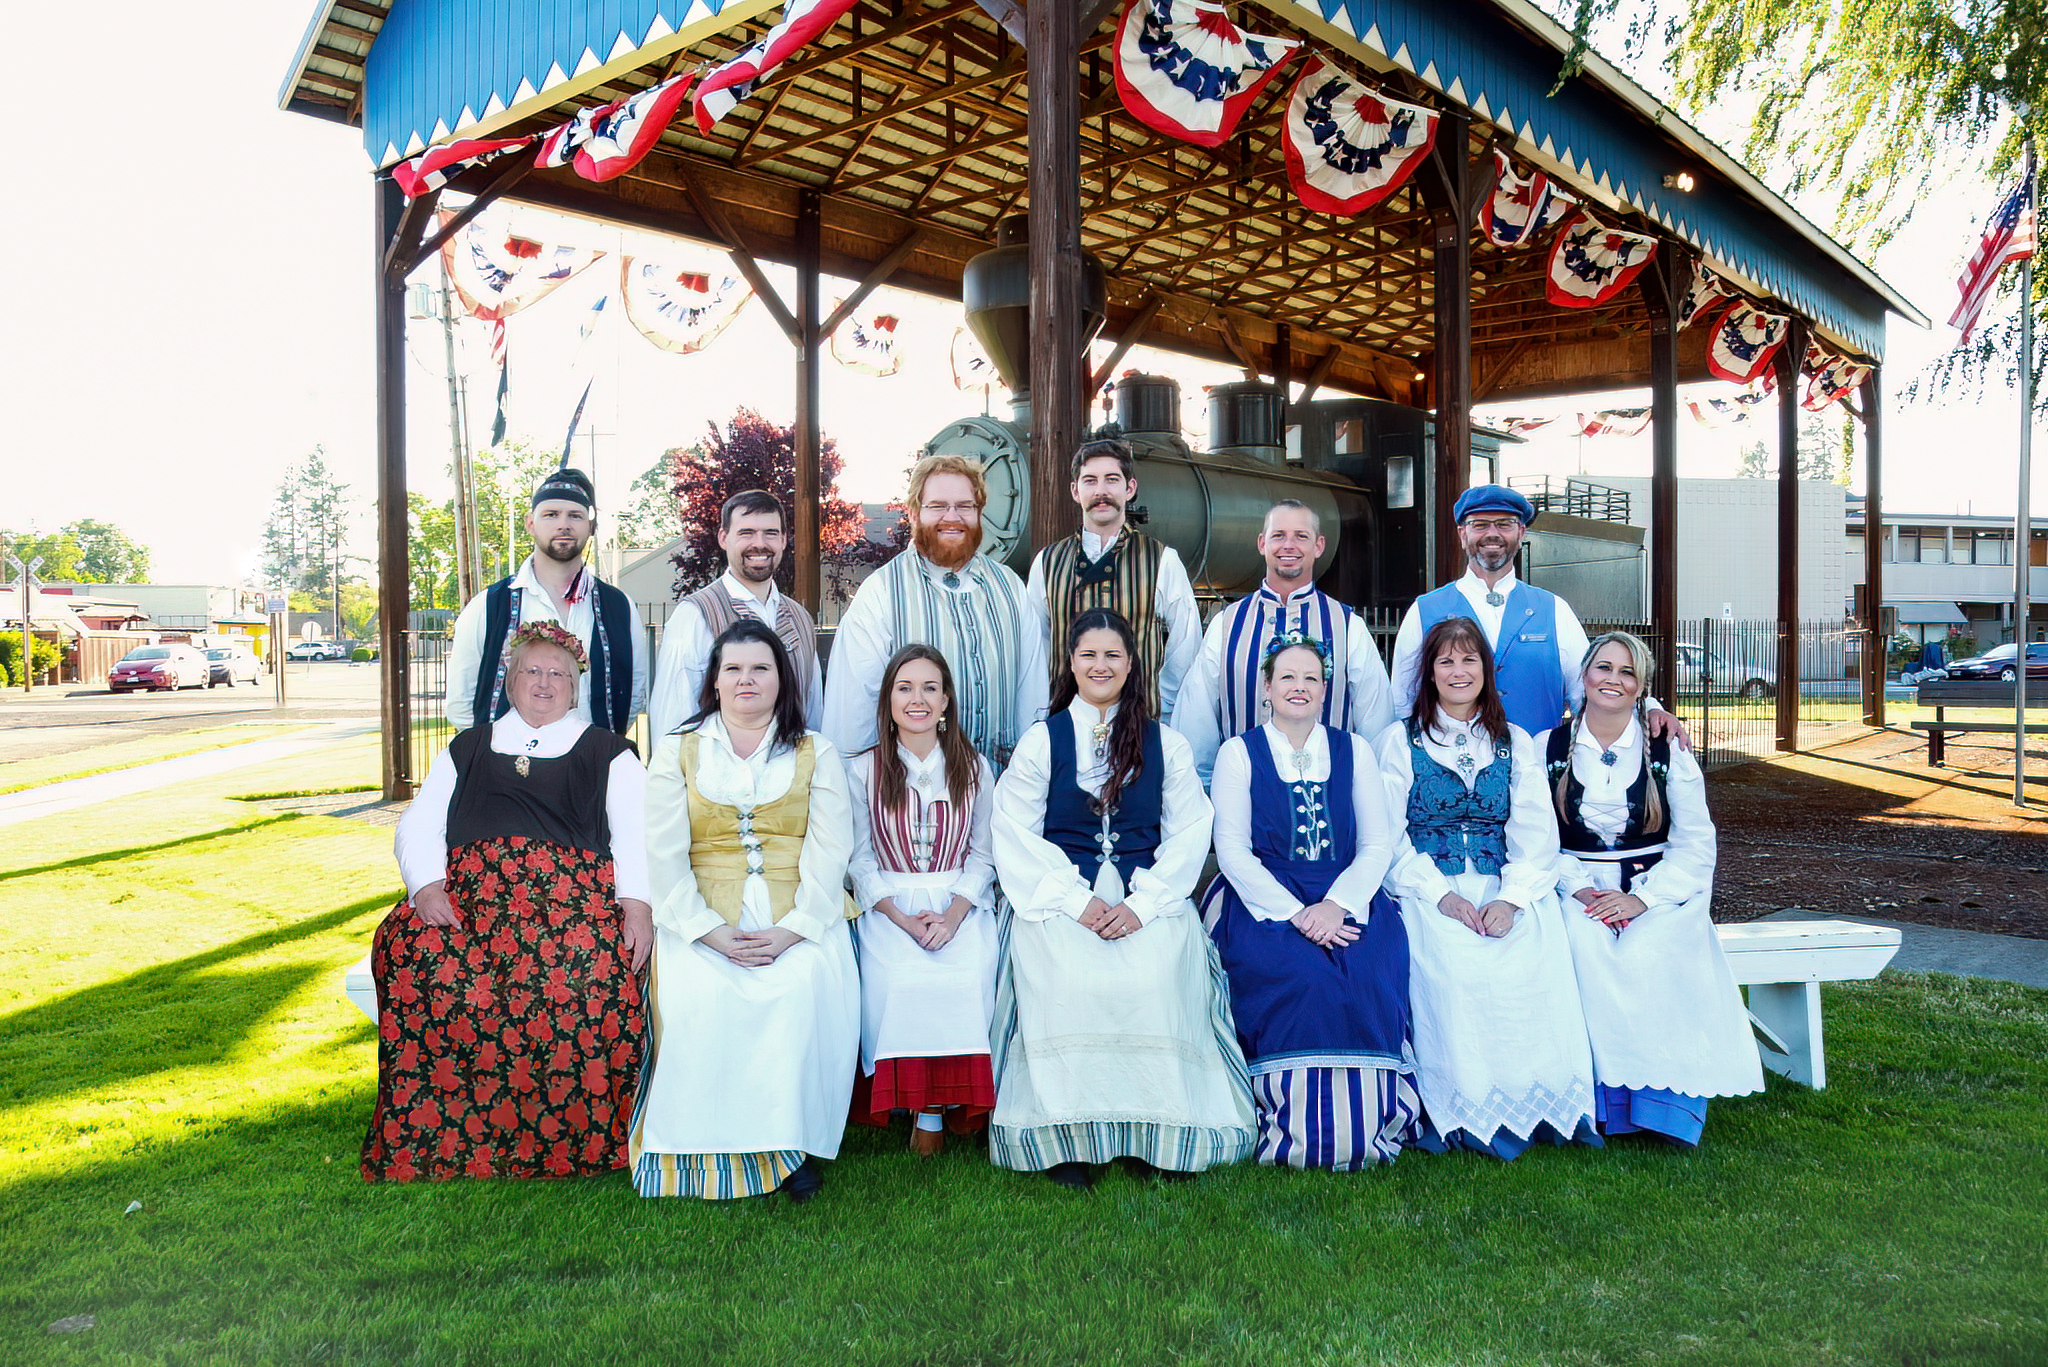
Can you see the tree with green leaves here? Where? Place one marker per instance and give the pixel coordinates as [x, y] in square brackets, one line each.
[87, 551]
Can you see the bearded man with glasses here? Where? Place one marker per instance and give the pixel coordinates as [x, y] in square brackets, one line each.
[941, 592]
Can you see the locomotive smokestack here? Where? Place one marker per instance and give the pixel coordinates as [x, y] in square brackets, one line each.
[996, 290]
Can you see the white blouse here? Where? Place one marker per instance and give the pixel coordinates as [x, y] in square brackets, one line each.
[1530, 871]
[1039, 879]
[926, 780]
[724, 777]
[1687, 869]
[1231, 791]
[422, 840]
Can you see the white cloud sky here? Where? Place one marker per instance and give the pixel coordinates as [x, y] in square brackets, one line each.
[191, 320]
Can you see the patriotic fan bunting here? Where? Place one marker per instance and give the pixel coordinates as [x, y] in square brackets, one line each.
[1712, 413]
[726, 84]
[1590, 262]
[1519, 209]
[495, 276]
[608, 141]
[1616, 422]
[1184, 69]
[972, 369]
[1829, 378]
[1706, 293]
[435, 167]
[866, 342]
[1745, 339]
[679, 310]
[1348, 146]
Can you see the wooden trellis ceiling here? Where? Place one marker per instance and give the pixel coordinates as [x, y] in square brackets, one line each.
[911, 115]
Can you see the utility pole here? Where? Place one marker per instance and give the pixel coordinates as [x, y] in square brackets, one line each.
[25, 575]
[466, 558]
[2023, 520]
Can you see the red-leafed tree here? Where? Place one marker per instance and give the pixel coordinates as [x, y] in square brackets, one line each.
[754, 453]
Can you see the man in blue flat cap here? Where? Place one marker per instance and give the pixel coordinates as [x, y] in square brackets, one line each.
[1537, 640]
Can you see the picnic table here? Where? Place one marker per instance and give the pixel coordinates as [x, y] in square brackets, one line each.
[1974, 695]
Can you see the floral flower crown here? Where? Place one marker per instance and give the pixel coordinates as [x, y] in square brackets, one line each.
[548, 634]
[1288, 640]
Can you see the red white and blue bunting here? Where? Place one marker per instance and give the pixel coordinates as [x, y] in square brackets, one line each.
[866, 343]
[435, 167]
[495, 275]
[1349, 146]
[1706, 293]
[972, 369]
[682, 311]
[1590, 262]
[1744, 340]
[609, 140]
[1185, 70]
[726, 84]
[1520, 208]
[1830, 378]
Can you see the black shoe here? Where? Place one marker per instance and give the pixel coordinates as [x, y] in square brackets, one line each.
[805, 1183]
[1138, 1167]
[1072, 1176]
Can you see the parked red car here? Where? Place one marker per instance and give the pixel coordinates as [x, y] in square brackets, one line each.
[153, 667]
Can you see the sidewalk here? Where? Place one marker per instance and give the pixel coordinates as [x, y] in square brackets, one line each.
[1932, 949]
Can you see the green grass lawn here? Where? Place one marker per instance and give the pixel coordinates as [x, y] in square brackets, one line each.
[126, 754]
[174, 1034]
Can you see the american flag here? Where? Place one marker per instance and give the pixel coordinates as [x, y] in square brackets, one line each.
[2009, 236]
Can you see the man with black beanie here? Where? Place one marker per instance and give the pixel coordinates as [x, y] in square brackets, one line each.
[552, 585]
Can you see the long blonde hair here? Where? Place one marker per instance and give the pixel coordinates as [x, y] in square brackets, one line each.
[1645, 667]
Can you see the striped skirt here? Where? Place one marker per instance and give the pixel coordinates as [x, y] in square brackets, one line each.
[1339, 1118]
[714, 1176]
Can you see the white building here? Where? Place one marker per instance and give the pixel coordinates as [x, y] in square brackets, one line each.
[1954, 573]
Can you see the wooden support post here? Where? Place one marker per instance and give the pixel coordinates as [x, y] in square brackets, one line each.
[394, 587]
[1447, 188]
[1134, 332]
[1662, 289]
[1317, 376]
[736, 248]
[1874, 642]
[1787, 362]
[873, 280]
[1052, 57]
[1283, 359]
[810, 223]
[509, 177]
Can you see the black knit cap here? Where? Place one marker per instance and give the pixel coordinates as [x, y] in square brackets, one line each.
[566, 483]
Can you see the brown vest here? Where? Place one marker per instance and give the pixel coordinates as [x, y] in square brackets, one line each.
[1125, 580]
[793, 625]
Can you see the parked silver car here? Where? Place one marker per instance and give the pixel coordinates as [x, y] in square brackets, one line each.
[1710, 672]
[230, 665]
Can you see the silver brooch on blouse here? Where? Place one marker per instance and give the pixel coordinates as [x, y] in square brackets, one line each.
[1608, 758]
[522, 766]
[1494, 599]
[1301, 763]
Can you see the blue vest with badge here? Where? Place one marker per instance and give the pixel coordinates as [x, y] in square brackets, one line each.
[1525, 664]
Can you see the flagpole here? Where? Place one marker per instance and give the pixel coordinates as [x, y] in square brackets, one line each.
[2023, 517]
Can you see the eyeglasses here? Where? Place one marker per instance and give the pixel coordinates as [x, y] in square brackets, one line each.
[1493, 524]
[534, 674]
[941, 509]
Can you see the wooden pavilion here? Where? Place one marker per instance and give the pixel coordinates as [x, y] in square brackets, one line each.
[888, 149]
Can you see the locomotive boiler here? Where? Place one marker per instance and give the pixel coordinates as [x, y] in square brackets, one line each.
[1365, 465]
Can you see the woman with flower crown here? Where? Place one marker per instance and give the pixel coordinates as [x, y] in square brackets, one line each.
[1113, 1031]
[510, 1017]
[1316, 953]
[1667, 1022]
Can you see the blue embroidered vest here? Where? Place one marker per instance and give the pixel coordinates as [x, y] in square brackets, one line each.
[1452, 823]
[1304, 833]
[1072, 823]
[1525, 664]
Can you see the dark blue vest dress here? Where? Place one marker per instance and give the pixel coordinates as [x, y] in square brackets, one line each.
[1072, 823]
[1303, 1011]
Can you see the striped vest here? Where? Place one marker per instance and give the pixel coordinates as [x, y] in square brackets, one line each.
[979, 628]
[1125, 580]
[792, 624]
[1250, 624]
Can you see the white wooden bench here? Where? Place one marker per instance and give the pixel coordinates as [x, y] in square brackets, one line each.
[1783, 964]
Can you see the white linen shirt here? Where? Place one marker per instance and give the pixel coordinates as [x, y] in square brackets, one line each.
[723, 777]
[866, 640]
[1372, 851]
[1173, 599]
[1531, 867]
[1198, 712]
[925, 780]
[466, 651]
[421, 843]
[1687, 869]
[1569, 634]
[686, 653]
[1039, 879]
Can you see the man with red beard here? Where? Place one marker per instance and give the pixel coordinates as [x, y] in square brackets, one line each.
[940, 592]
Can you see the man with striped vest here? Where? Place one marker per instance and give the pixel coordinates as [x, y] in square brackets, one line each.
[1224, 695]
[1108, 564]
[754, 534]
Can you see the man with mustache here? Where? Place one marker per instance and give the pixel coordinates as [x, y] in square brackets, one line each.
[940, 592]
[1537, 640]
[1224, 694]
[754, 535]
[553, 585]
[1109, 564]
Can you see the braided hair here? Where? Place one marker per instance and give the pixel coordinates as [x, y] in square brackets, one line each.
[1644, 665]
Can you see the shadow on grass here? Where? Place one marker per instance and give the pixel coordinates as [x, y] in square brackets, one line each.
[107, 856]
[181, 1014]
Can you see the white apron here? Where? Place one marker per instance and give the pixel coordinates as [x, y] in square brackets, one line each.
[916, 1003]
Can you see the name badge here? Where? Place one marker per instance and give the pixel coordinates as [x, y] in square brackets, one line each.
[1535, 636]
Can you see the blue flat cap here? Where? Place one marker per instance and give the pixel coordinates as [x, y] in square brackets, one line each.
[1493, 498]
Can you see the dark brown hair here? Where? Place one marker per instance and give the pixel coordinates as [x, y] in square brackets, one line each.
[789, 694]
[1449, 634]
[1103, 448]
[963, 769]
[1127, 732]
[751, 501]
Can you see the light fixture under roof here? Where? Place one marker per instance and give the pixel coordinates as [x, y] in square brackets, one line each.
[1680, 181]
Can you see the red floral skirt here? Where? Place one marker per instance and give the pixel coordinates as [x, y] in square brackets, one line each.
[962, 1082]
[510, 1044]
